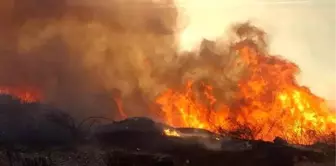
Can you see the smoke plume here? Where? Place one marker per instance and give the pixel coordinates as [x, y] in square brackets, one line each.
[78, 52]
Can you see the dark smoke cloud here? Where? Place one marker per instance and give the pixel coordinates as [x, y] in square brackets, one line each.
[77, 52]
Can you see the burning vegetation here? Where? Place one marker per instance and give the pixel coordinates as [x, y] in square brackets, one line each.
[266, 100]
[25, 95]
[245, 89]
[107, 81]
[121, 60]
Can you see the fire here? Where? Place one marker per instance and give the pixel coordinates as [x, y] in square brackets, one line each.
[269, 103]
[171, 132]
[26, 95]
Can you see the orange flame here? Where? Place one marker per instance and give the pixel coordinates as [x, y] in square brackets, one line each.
[269, 102]
[26, 95]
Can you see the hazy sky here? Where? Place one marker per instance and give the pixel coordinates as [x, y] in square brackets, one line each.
[300, 30]
[306, 35]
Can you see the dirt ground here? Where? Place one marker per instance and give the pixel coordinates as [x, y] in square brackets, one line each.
[92, 156]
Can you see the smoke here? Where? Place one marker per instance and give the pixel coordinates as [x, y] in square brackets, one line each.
[78, 52]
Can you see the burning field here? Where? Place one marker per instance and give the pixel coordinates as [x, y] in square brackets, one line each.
[83, 61]
[267, 101]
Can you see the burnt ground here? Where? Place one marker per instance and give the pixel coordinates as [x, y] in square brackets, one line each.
[38, 135]
[93, 156]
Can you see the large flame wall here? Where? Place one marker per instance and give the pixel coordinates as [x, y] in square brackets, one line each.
[269, 103]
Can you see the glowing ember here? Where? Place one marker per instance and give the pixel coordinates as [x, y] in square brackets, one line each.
[171, 132]
[269, 103]
[24, 94]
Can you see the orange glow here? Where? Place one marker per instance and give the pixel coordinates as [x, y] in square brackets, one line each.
[269, 102]
[26, 95]
[170, 132]
[121, 112]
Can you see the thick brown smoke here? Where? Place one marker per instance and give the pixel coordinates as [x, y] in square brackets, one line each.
[78, 52]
